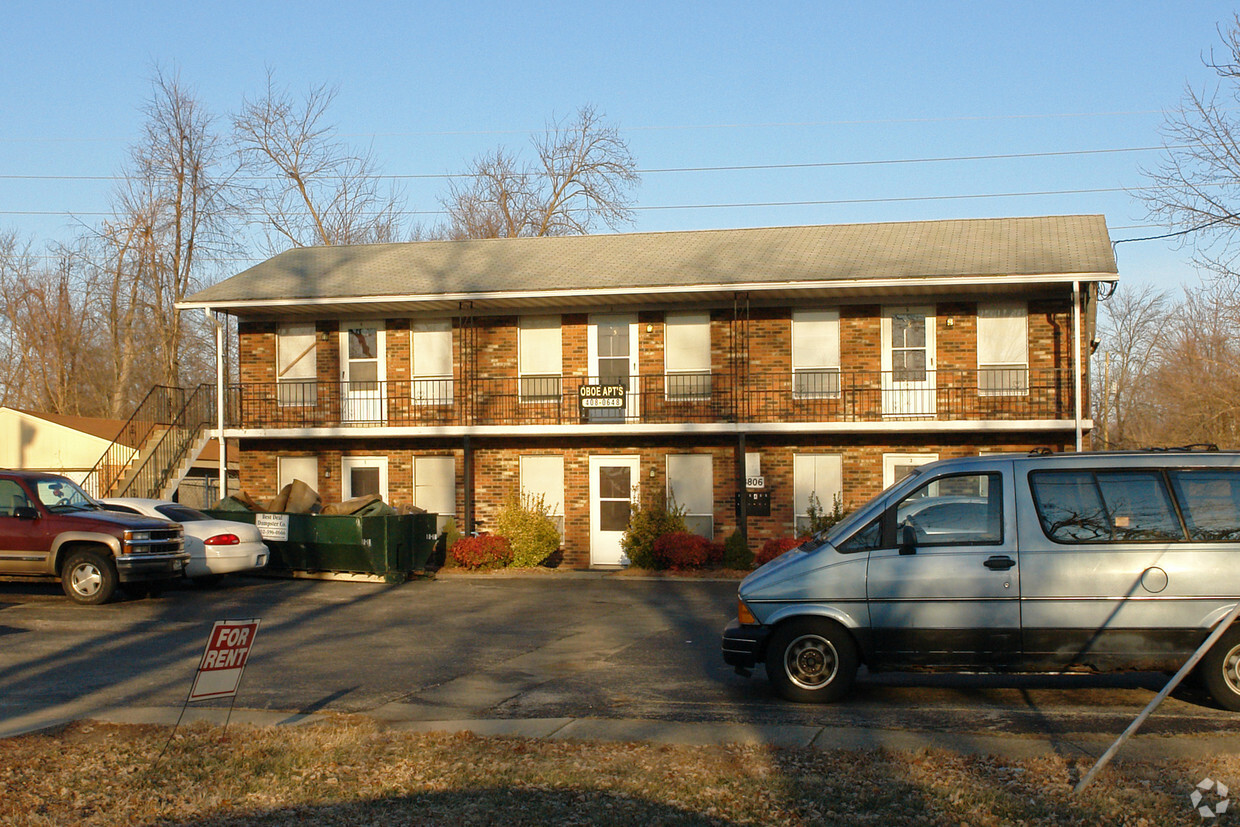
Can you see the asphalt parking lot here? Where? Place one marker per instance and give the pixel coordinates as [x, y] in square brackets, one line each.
[558, 645]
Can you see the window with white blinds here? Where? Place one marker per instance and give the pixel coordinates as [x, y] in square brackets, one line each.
[1003, 348]
[296, 366]
[543, 476]
[686, 355]
[817, 477]
[434, 486]
[540, 355]
[691, 486]
[815, 354]
[431, 342]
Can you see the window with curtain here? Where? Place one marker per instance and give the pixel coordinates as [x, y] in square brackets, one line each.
[686, 356]
[815, 354]
[815, 477]
[296, 365]
[431, 342]
[691, 486]
[540, 354]
[434, 487]
[543, 476]
[1003, 349]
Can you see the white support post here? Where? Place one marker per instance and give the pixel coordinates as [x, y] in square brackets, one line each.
[219, 400]
[1076, 361]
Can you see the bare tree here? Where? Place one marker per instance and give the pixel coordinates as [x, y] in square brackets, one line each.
[310, 188]
[1132, 327]
[584, 176]
[16, 269]
[1195, 189]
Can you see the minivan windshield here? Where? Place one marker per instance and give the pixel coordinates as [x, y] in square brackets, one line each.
[854, 521]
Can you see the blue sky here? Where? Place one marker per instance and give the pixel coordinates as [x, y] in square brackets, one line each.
[430, 85]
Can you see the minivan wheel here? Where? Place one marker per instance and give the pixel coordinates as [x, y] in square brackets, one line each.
[812, 660]
[88, 577]
[1220, 670]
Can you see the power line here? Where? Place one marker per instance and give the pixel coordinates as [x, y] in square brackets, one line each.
[660, 170]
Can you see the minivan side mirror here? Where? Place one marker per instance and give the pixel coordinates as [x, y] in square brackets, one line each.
[25, 512]
[908, 539]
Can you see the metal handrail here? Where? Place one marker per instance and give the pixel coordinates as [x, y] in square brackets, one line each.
[155, 409]
[148, 478]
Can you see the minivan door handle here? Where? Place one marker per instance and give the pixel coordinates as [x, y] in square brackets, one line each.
[999, 563]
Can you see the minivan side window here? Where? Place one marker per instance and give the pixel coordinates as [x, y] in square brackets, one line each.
[1105, 507]
[965, 509]
[1210, 502]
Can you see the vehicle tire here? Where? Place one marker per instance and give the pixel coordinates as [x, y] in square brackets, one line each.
[1220, 670]
[812, 660]
[88, 577]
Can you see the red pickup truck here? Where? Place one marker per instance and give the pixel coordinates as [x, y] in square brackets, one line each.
[50, 528]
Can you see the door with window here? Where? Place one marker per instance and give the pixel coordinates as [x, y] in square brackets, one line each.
[908, 361]
[362, 371]
[613, 485]
[613, 361]
[362, 476]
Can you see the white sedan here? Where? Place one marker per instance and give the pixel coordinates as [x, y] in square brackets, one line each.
[216, 547]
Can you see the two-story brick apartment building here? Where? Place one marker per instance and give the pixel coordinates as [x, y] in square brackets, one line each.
[788, 361]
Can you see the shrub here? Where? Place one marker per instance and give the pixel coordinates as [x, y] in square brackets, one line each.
[774, 547]
[646, 525]
[486, 551]
[736, 553]
[682, 550]
[446, 540]
[526, 522]
[821, 519]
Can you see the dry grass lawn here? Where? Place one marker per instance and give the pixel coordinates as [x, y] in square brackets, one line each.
[350, 771]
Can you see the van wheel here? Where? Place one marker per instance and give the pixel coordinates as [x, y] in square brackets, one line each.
[812, 660]
[89, 578]
[1220, 670]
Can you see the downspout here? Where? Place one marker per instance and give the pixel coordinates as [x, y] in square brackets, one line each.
[1076, 359]
[219, 399]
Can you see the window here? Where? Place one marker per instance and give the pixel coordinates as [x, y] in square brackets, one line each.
[434, 487]
[966, 509]
[815, 354]
[686, 356]
[1003, 349]
[296, 366]
[540, 358]
[1210, 502]
[12, 497]
[305, 469]
[431, 341]
[1105, 507]
[691, 486]
[544, 477]
[815, 478]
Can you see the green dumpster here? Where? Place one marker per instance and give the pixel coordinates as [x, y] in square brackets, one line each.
[389, 545]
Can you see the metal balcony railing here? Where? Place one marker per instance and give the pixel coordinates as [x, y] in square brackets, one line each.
[822, 396]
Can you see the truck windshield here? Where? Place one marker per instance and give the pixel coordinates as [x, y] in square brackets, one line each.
[63, 495]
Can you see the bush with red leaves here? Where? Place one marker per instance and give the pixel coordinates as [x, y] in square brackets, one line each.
[774, 547]
[486, 551]
[683, 550]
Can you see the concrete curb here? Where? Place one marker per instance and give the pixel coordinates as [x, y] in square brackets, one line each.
[1140, 748]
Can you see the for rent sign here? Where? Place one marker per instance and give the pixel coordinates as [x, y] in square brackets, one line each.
[223, 661]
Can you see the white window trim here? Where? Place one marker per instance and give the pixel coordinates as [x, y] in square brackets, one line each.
[827, 316]
[430, 388]
[310, 383]
[1023, 388]
[523, 373]
[692, 391]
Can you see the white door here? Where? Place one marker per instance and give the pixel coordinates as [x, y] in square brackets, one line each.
[362, 371]
[613, 485]
[360, 476]
[612, 350]
[908, 361]
[897, 466]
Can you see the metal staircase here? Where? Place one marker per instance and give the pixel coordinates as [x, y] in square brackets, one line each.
[157, 445]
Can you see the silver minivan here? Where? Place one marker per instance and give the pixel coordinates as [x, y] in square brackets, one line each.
[1037, 563]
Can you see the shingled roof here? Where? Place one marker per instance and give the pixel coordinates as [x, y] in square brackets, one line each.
[993, 248]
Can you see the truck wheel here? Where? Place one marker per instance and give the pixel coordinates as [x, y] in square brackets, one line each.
[812, 660]
[88, 577]
[1220, 670]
